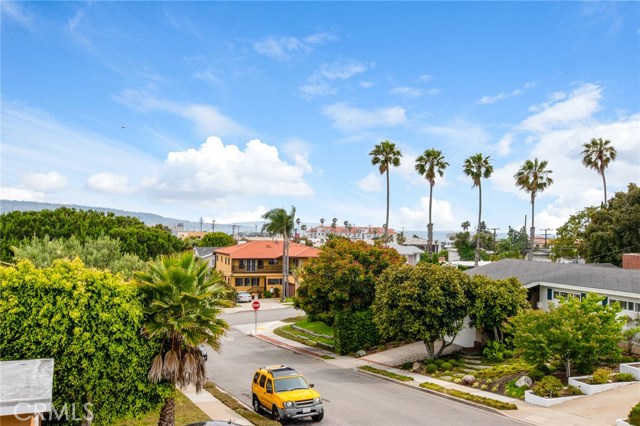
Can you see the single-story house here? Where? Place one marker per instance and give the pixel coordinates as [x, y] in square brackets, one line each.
[547, 282]
[411, 253]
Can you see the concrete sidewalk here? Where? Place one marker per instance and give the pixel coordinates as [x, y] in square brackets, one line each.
[213, 408]
[595, 410]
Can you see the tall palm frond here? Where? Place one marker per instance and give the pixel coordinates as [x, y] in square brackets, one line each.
[478, 167]
[384, 155]
[430, 164]
[597, 155]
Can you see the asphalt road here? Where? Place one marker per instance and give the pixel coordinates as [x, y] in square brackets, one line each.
[350, 398]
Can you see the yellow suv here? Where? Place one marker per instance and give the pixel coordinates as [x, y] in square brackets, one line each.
[283, 392]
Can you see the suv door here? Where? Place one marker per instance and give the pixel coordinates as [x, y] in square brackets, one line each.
[260, 391]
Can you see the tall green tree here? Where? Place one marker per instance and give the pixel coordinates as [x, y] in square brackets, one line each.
[428, 165]
[570, 236]
[478, 167]
[533, 177]
[183, 301]
[597, 155]
[465, 225]
[386, 155]
[279, 222]
[342, 278]
[217, 239]
[425, 302]
[89, 322]
[492, 302]
[575, 333]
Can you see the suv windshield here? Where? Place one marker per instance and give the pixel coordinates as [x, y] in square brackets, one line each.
[290, 383]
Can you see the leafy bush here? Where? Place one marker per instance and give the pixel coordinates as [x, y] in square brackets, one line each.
[353, 330]
[496, 351]
[446, 366]
[601, 376]
[574, 390]
[439, 362]
[514, 391]
[266, 294]
[536, 374]
[453, 362]
[548, 386]
[489, 402]
[624, 377]
[407, 365]
[431, 368]
[429, 361]
[634, 415]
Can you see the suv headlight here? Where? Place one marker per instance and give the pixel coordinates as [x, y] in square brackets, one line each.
[288, 404]
[317, 400]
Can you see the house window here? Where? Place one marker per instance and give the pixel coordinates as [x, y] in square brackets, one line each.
[624, 305]
[255, 281]
[247, 281]
[273, 261]
[239, 282]
[251, 265]
[260, 264]
[565, 295]
[241, 264]
[549, 294]
[274, 281]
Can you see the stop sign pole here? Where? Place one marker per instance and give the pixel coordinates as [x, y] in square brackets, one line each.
[255, 305]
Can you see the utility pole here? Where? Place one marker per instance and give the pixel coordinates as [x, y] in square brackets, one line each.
[201, 222]
[494, 233]
[213, 225]
[545, 236]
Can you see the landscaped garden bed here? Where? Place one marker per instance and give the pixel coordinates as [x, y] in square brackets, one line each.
[633, 368]
[601, 380]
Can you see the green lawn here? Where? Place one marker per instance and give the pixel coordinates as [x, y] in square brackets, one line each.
[315, 326]
[300, 336]
[186, 412]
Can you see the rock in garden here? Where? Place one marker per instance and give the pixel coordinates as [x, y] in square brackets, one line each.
[417, 366]
[524, 381]
[468, 379]
[360, 353]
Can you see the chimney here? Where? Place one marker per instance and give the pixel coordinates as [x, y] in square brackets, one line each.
[631, 261]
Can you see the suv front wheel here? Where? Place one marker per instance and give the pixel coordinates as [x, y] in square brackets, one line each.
[275, 415]
[256, 405]
[317, 418]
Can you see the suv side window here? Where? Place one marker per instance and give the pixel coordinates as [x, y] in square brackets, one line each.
[255, 378]
[262, 380]
[269, 386]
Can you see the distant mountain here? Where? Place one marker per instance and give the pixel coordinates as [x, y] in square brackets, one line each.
[148, 218]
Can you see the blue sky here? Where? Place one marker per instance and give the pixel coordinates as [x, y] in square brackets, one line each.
[226, 110]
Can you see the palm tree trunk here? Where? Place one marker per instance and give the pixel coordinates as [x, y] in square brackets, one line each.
[476, 257]
[604, 184]
[167, 414]
[533, 228]
[386, 227]
[430, 225]
[285, 265]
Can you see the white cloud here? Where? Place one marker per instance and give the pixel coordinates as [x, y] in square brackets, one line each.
[208, 76]
[367, 84]
[14, 10]
[581, 104]
[254, 215]
[319, 83]
[45, 182]
[20, 194]
[461, 133]
[371, 183]
[486, 100]
[283, 47]
[553, 97]
[207, 119]
[347, 118]
[425, 78]
[410, 92]
[433, 92]
[110, 183]
[417, 217]
[503, 147]
[218, 171]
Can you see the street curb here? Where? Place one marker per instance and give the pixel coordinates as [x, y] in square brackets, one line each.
[436, 393]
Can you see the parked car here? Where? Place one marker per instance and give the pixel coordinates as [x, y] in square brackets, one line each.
[283, 392]
[244, 296]
[203, 350]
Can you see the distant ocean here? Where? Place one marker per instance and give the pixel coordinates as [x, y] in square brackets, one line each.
[440, 235]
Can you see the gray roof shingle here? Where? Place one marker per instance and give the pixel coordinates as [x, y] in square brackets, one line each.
[592, 276]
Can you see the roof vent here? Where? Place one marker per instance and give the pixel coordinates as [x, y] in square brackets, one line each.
[268, 246]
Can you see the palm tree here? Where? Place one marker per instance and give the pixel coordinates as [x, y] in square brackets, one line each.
[334, 222]
[533, 177]
[477, 167]
[183, 301]
[465, 225]
[430, 164]
[596, 155]
[281, 222]
[385, 155]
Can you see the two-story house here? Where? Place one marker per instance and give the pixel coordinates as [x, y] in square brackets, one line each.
[256, 266]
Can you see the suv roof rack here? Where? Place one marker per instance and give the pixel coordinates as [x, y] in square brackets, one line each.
[281, 370]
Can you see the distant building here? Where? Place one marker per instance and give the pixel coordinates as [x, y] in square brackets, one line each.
[206, 253]
[411, 254]
[353, 233]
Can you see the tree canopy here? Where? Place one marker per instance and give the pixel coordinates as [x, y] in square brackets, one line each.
[342, 278]
[217, 239]
[89, 322]
[100, 253]
[135, 237]
[426, 302]
[577, 332]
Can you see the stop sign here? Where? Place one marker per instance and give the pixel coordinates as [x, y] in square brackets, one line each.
[255, 305]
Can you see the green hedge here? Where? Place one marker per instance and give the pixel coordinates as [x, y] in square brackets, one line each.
[89, 322]
[353, 331]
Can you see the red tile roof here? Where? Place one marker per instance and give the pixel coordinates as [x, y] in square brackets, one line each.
[267, 249]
